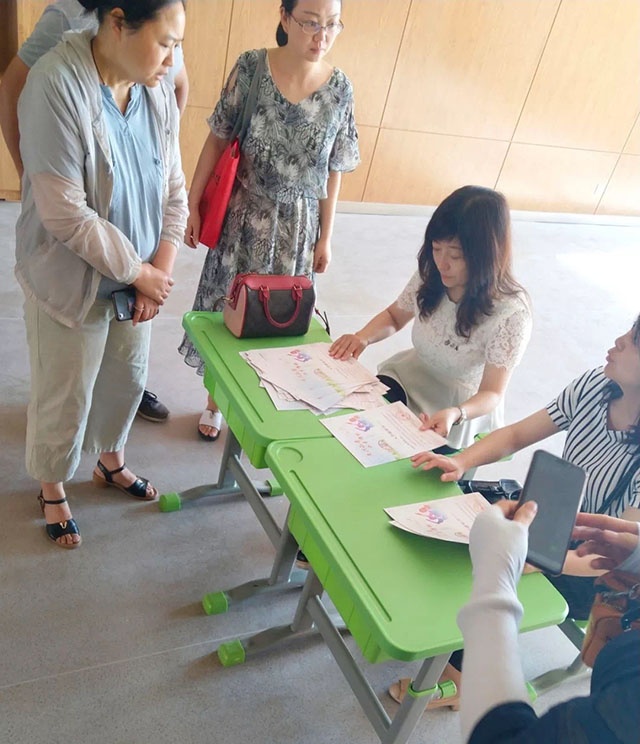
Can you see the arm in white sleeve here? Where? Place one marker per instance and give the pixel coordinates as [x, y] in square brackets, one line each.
[489, 621]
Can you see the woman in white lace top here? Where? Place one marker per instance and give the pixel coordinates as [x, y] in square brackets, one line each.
[472, 320]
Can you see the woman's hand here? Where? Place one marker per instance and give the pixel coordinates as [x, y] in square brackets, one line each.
[192, 231]
[452, 468]
[154, 283]
[347, 346]
[441, 421]
[322, 255]
[611, 540]
[144, 309]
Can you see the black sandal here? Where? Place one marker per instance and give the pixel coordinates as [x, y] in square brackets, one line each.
[138, 488]
[57, 530]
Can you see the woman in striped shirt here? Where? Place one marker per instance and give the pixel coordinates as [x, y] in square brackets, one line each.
[600, 411]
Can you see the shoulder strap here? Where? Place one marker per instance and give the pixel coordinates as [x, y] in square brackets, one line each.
[243, 121]
[621, 487]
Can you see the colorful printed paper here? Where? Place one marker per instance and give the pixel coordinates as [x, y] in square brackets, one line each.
[445, 519]
[382, 434]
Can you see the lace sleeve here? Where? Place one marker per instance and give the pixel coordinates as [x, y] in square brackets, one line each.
[407, 298]
[510, 338]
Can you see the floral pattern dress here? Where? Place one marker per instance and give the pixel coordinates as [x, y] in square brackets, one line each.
[272, 222]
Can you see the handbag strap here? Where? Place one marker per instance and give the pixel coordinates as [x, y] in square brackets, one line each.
[621, 487]
[243, 121]
[296, 294]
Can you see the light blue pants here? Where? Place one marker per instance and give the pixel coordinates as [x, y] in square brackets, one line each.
[86, 384]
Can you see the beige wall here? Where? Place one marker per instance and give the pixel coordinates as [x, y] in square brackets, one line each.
[538, 98]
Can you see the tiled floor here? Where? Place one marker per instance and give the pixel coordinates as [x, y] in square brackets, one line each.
[108, 644]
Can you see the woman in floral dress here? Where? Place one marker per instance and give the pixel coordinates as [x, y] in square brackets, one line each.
[302, 137]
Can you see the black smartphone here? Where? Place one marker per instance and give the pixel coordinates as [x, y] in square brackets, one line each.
[123, 302]
[557, 487]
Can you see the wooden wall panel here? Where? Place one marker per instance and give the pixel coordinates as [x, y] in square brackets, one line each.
[633, 143]
[623, 192]
[417, 168]
[367, 51]
[354, 183]
[194, 130]
[555, 179]
[9, 182]
[28, 13]
[205, 49]
[253, 26]
[585, 93]
[8, 32]
[538, 96]
[465, 67]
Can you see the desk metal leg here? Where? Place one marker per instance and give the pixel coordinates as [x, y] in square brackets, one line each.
[227, 484]
[398, 730]
[236, 652]
[283, 577]
[312, 617]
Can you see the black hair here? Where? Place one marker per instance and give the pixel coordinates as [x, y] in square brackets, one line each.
[479, 219]
[282, 37]
[136, 12]
[612, 391]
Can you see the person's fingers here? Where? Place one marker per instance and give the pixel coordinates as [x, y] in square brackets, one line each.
[526, 513]
[607, 564]
[605, 522]
[508, 508]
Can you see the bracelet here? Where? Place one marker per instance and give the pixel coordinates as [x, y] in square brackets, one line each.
[462, 417]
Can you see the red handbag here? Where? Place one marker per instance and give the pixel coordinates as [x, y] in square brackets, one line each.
[215, 198]
[263, 305]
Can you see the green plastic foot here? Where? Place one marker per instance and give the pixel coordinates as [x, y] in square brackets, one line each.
[448, 689]
[170, 502]
[533, 695]
[231, 654]
[275, 489]
[215, 603]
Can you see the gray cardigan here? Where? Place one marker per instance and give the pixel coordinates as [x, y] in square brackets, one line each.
[64, 241]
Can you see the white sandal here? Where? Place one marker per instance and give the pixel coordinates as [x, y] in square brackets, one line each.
[214, 420]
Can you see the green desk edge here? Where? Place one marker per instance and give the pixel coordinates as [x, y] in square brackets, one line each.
[234, 385]
[398, 593]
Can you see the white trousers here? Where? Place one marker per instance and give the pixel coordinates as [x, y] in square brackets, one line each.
[86, 384]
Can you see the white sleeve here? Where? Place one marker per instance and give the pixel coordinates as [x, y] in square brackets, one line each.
[489, 622]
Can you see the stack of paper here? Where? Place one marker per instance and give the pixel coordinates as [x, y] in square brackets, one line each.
[306, 377]
[445, 519]
[382, 435]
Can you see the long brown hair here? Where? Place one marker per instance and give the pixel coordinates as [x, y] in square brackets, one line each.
[479, 218]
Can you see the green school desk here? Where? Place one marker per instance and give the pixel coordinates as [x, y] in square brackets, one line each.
[397, 593]
[253, 423]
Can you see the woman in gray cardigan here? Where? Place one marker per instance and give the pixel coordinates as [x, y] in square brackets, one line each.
[104, 209]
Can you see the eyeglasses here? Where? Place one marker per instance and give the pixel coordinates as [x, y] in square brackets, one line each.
[311, 28]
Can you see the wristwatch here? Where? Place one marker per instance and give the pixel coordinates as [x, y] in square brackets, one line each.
[462, 417]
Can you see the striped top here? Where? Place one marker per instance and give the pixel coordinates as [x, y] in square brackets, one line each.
[590, 444]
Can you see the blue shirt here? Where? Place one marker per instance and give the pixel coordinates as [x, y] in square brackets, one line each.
[136, 200]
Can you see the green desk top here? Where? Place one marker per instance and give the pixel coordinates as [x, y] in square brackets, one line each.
[234, 385]
[398, 593]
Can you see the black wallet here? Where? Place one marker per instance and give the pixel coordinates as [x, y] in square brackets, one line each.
[493, 491]
[123, 302]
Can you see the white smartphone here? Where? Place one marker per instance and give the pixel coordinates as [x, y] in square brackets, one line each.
[557, 487]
